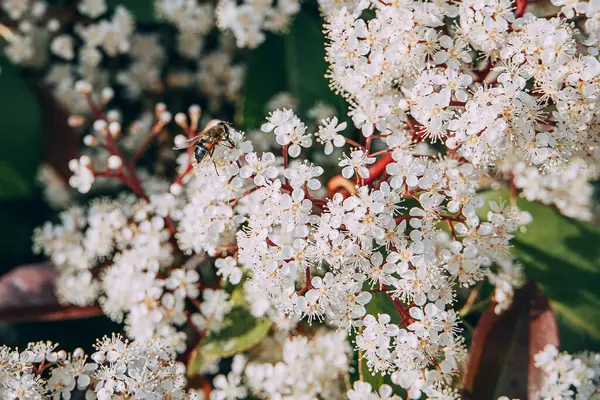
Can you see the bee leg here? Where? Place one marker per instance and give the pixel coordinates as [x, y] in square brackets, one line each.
[210, 153]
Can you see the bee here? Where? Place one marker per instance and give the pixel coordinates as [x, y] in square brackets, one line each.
[207, 140]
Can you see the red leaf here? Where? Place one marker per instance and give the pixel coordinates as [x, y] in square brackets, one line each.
[500, 360]
[27, 294]
[520, 9]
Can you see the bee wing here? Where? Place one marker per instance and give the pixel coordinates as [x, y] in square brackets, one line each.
[188, 143]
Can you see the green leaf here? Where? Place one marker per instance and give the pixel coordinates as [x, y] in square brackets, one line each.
[12, 184]
[265, 77]
[293, 63]
[198, 362]
[562, 254]
[306, 65]
[375, 380]
[242, 332]
[20, 124]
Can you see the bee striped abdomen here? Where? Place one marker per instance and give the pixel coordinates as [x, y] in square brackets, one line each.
[204, 146]
[199, 153]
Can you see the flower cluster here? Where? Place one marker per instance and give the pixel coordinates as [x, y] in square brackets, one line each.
[120, 256]
[249, 20]
[372, 226]
[290, 367]
[569, 376]
[117, 369]
[531, 100]
[302, 256]
[69, 45]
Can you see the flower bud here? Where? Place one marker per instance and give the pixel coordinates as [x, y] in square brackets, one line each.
[90, 140]
[53, 25]
[85, 161]
[75, 121]
[114, 128]
[165, 117]
[159, 108]
[25, 26]
[194, 111]
[107, 94]
[113, 115]
[83, 87]
[114, 162]
[176, 189]
[181, 120]
[100, 126]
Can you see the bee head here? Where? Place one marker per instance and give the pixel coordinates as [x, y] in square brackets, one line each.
[225, 126]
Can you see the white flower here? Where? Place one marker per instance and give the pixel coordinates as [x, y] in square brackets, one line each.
[289, 130]
[228, 387]
[405, 171]
[83, 177]
[62, 46]
[262, 169]
[328, 134]
[356, 162]
[215, 305]
[227, 267]
[301, 174]
[184, 283]
[92, 8]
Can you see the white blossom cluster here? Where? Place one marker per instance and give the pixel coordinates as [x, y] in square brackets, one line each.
[371, 237]
[193, 21]
[532, 98]
[103, 46]
[117, 253]
[317, 263]
[117, 369]
[29, 18]
[569, 376]
[249, 20]
[309, 258]
[289, 367]
[569, 189]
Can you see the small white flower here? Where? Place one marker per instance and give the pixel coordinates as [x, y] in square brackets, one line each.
[83, 177]
[328, 134]
[262, 169]
[356, 162]
[227, 267]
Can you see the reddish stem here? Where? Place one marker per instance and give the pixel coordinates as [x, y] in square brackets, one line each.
[131, 180]
[451, 227]
[380, 152]
[188, 169]
[378, 168]
[233, 202]
[308, 283]
[285, 156]
[356, 144]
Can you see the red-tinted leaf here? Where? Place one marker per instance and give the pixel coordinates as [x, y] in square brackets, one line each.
[26, 294]
[61, 141]
[501, 356]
